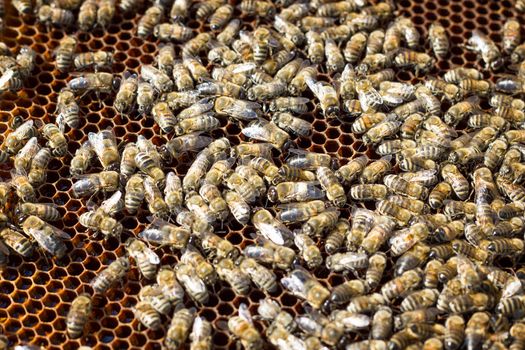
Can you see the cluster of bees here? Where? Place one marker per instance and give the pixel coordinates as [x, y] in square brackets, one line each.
[446, 216]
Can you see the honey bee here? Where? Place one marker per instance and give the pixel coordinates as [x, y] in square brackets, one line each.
[220, 16]
[375, 170]
[105, 12]
[48, 237]
[64, 53]
[476, 328]
[193, 285]
[201, 334]
[23, 159]
[454, 332]
[156, 78]
[100, 82]
[82, 159]
[44, 211]
[78, 315]
[347, 261]
[420, 61]
[230, 31]
[18, 138]
[87, 15]
[127, 93]
[369, 99]
[242, 328]
[327, 96]
[456, 180]
[511, 36]
[309, 250]
[17, 242]
[147, 315]
[105, 181]
[289, 30]
[303, 285]
[329, 182]
[486, 48]
[163, 233]
[134, 193]
[270, 253]
[23, 188]
[217, 205]
[321, 222]
[439, 40]
[266, 132]
[335, 60]
[155, 297]
[55, 16]
[270, 228]
[151, 18]
[401, 284]
[171, 32]
[262, 277]
[96, 60]
[179, 328]
[56, 139]
[286, 192]
[411, 189]
[148, 162]
[365, 303]
[153, 196]
[503, 246]
[380, 131]
[367, 121]
[68, 110]
[145, 96]
[232, 274]
[146, 260]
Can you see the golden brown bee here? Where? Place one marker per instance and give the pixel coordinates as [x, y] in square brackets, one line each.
[355, 47]
[303, 285]
[312, 23]
[105, 12]
[87, 15]
[266, 132]
[23, 7]
[330, 183]
[347, 261]
[163, 233]
[147, 261]
[45, 211]
[308, 250]
[82, 159]
[230, 31]
[298, 83]
[201, 334]
[64, 53]
[242, 328]
[292, 124]
[455, 178]
[179, 328]
[151, 18]
[321, 222]
[367, 121]
[93, 60]
[315, 47]
[221, 16]
[420, 61]
[238, 207]
[365, 303]
[100, 82]
[262, 277]
[399, 285]
[78, 315]
[55, 16]
[270, 253]
[104, 144]
[17, 242]
[440, 87]
[335, 61]
[438, 38]
[193, 285]
[375, 170]
[378, 132]
[112, 274]
[476, 329]
[228, 271]
[156, 78]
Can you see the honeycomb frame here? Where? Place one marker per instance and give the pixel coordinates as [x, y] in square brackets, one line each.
[36, 293]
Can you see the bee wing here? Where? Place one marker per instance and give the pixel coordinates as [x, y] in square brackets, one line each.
[58, 232]
[257, 130]
[244, 68]
[97, 140]
[151, 256]
[272, 233]
[5, 78]
[156, 222]
[244, 312]
[29, 149]
[113, 204]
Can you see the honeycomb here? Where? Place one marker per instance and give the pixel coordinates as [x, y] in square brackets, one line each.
[36, 293]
